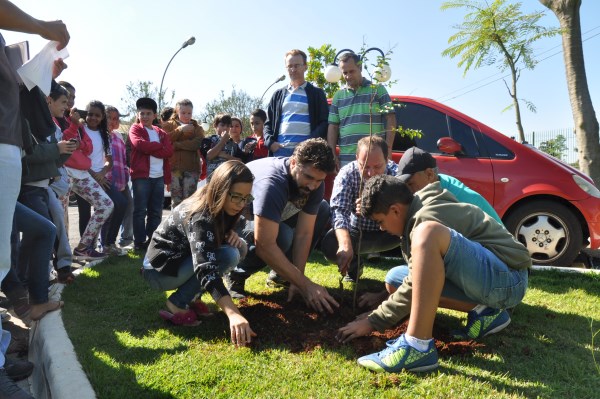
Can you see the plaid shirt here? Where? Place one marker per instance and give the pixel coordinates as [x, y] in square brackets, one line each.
[120, 171]
[344, 195]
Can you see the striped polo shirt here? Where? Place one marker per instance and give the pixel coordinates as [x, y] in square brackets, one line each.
[295, 121]
[358, 114]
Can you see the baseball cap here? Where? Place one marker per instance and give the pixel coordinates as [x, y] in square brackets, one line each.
[146, 103]
[414, 160]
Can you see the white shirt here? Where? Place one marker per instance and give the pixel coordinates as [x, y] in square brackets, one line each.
[156, 164]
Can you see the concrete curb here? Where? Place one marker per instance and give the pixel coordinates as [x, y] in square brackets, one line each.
[58, 373]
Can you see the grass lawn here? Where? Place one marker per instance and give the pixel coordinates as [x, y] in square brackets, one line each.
[127, 351]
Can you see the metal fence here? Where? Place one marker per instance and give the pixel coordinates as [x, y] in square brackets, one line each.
[569, 155]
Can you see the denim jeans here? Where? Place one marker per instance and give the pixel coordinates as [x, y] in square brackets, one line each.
[110, 229]
[64, 255]
[186, 284]
[474, 274]
[37, 241]
[285, 238]
[148, 197]
[10, 176]
[371, 241]
[126, 229]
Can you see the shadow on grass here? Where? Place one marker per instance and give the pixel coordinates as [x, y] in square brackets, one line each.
[556, 282]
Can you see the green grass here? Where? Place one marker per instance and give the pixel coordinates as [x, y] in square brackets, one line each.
[127, 351]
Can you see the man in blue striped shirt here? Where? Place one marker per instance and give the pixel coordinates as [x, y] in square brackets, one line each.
[297, 111]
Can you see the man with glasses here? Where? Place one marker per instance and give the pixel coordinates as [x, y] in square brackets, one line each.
[289, 216]
[297, 111]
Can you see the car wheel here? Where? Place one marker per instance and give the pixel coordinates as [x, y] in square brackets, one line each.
[549, 230]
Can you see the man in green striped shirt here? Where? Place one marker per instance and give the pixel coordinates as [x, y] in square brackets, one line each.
[360, 109]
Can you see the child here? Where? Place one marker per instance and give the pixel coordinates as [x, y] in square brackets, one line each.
[186, 137]
[150, 170]
[243, 149]
[197, 244]
[218, 148]
[457, 255]
[257, 124]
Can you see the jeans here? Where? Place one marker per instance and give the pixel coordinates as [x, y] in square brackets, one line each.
[186, 284]
[37, 241]
[110, 229]
[474, 274]
[126, 229]
[285, 238]
[148, 197]
[10, 176]
[371, 241]
[64, 256]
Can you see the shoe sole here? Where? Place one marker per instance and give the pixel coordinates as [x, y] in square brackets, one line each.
[86, 258]
[497, 328]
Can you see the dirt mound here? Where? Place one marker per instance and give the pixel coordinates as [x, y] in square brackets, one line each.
[300, 329]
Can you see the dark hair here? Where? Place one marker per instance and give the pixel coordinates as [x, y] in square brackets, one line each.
[316, 153]
[350, 56]
[167, 113]
[296, 52]
[57, 91]
[259, 113]
[371, 142]
[381, 192]
[67, 85]
[235, 118]
[103, 128]
[222, 118]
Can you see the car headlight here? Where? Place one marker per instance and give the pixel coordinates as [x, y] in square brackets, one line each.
[587, 186]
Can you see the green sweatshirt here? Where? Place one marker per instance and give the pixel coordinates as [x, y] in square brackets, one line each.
[434, 204]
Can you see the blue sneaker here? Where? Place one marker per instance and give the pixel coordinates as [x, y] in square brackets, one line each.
[399, 355]
[490, 321]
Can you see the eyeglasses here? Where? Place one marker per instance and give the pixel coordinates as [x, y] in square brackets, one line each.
[295, 66]
[237, 198]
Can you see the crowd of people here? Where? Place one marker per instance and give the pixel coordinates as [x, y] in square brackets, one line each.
[261, 204]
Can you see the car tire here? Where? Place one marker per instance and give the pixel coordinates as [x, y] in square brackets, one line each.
[549, 230]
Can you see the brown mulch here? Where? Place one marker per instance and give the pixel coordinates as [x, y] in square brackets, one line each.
[299, 329]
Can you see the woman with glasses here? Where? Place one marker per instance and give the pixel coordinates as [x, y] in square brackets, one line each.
[192, 249]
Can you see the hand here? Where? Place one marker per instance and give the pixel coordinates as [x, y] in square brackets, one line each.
[55, 30]
[241, 333]
[66, 147]
[75, 117]
[234, 239]
[57, 68]
[249, 147]
[370, 300]
[354, 329]
[275, 146]
[357, 204]
[189, 128]
[100, 177]
[317, 298]
[343, 258]
[168, 187]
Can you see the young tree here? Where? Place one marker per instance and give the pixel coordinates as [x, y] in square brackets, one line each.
[238, 103]
[139, 89]
[497, 34]
[584, 116]
[555, 147]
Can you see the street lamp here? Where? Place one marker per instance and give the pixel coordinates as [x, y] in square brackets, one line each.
[382, 73]
[279, 79]
[188, 42]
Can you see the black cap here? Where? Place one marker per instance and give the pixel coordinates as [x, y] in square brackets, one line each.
[146, 103]
[414, 160]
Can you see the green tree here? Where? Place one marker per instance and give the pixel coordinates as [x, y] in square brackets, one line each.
[584, 116]
[498, 34]
[238, 103]
[555, 147]
[139, 89]
[318, 59]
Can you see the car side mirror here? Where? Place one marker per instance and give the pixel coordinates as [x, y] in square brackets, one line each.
[449, 146]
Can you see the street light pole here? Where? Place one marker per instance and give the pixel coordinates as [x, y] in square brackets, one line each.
[188, 42]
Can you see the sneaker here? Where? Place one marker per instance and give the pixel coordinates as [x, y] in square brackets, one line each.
[399, 355]
[235, 288]
[17, 369]
[88, 255]
[65, 275]
[113, 250]
[374, 257]
[274, 280]
[10, 390]
[490, 321]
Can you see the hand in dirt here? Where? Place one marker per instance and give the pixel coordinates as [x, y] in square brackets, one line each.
[316, 297]
[370, 300]
[241, 333]
[363, 315]
[354, 329]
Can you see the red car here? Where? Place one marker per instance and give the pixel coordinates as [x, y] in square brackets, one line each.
[552, 208]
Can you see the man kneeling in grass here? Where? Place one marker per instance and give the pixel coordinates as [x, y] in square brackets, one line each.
[458, 257]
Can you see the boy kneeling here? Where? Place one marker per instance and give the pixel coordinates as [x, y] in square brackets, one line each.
[458, 257]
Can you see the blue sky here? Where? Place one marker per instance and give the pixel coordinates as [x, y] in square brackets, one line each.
[241, 44]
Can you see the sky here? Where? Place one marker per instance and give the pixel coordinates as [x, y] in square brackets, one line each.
[241, 45]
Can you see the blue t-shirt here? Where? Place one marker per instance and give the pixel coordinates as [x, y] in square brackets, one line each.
[467, 195]
[275, 192]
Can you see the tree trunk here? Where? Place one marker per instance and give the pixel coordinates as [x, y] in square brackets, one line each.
[584, 116]
[513, 94]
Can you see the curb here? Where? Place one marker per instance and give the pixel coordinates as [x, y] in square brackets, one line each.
[58, 373]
